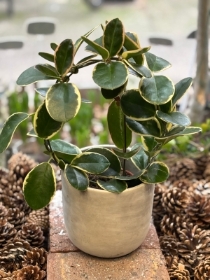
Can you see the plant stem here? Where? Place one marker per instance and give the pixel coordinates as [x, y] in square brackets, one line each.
[124, 146]
[49, 149]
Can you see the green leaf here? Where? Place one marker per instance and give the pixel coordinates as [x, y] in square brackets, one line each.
[91, 162]
[135, 107]
[119, 132]
[113, 185]
[110, 94]
[190, 130]
[114, 36]
[180, 88]
[63, 101]
[48, 70]
[79, 41]
[138, 70]
[167, 107]
[42, 91]
[85, 60]
[175, 118]
[45, 126]
[133, 53]
[98, 41]
[156, 63]
[98, 49]
[32, 75]
[156, 90]
[131, 44]
[149, 143]
[64, 150]
[115, 165]
[157, 173]
[9, 128]
[145, 128]
[134, 37]
[110, 76]
[39, 186]
[77, 178]
[64, 56]
[129, 178]
[47, 56]
[128, 154]
[141, 159]
[53, 46]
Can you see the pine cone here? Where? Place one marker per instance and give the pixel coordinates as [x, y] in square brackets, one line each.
[202, 270]
[184, 184]
[3, 172]
[3, 211]
[198, 210]
[201, 164]
[202, 187]
[7, 232]
[194, 245]
[29, 272]
[171, 223]
[13, 254]
[31, 233]
[19, 165]
[37, 256]
[168, 244]
[40, 218]
[175, 200]
[16, 217]
[183, 169]
[5, 275]
[206, 173]
[180, 273]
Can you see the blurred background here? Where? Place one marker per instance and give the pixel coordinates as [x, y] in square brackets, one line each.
[167, 26]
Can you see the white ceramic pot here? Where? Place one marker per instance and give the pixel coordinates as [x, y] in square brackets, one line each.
[105, 224]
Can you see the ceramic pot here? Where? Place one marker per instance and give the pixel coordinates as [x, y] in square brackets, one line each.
[105, 224]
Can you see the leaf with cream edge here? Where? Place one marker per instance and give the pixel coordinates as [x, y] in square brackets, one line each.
[156, 63]
[77, 178]
[98, 48]
[113, 185]
[175, 118]
[63, 101]
[114, 36]
[44, 125]
[157, 172]
[9, 128]
[39, 186]
[64, 57]
[48, 70]
[91, 162]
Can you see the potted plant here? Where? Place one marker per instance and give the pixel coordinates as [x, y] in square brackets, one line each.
[107, 191]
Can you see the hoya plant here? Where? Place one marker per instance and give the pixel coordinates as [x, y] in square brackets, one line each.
[148, 110]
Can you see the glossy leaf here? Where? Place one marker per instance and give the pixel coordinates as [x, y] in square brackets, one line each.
[156, 63]
[110, 76]
[135, 107]
[64, 150]
[146, 128]
[133, 53]
[134, 37]
[158, 172]
[98, 49]
[128, 154]
[63, 101]
[119, 132]
[91, 162]
[47, 56]
[32, 75]
[9, 128]
[114, 36]
[115, 165]
[180, 88]
[190, 130]
[175, 118]
[110, 94]
[149, 143]
[77, 178]
[42, 91]
[98, 41]
[64, 56]
[86, 59]
[48, 70]
[156, 90]
[140, 159]
[39, 186]
[113, 185]
[131, 44]
[139, 70]
[80, 40]
[44, 125]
